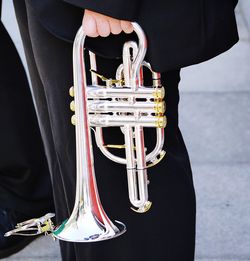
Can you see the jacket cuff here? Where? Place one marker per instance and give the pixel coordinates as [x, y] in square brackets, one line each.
[120, 9]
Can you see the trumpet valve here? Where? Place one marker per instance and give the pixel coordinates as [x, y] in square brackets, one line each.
[71, 91]
[72, 106]
[160, 107]
[161, 122]
[159, 93]
[73, 120]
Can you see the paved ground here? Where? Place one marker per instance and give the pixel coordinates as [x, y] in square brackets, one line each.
[215, 120]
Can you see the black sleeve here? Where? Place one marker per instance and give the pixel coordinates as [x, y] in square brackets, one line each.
[120, 9]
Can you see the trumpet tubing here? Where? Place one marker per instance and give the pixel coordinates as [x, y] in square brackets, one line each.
[122, 107]
[123, 92]
[126, 103]
[119, 121]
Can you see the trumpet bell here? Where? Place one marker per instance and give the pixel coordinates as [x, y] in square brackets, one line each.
[87, 227]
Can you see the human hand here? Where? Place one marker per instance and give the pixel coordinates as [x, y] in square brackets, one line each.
[96, 24]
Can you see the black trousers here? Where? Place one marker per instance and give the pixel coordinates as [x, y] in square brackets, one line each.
[25, 183]
[167, 231]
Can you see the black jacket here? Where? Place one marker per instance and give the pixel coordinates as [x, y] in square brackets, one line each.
[179, 32]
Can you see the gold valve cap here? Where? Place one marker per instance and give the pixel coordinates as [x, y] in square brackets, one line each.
[71, 91]
[161, 122]
[72, 105]
[160, 107]
[159, 93]
[73, 119]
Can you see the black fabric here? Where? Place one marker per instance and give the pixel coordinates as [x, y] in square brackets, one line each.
[24, 176]
[157, 235]
[0, 8]
[180, 33]
[126, 10]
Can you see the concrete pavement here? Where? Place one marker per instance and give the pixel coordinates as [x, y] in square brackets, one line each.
[215, 121]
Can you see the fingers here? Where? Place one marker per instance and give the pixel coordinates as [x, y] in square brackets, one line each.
[126, 26]
[115, 26]
[89, 25]
[95, 24]
[103, 26]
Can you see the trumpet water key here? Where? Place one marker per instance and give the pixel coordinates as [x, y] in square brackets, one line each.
[123, 102]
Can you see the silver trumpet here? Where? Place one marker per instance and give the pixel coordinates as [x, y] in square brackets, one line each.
[121, 102]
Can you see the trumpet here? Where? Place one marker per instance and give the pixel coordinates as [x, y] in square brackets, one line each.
[122, 102]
